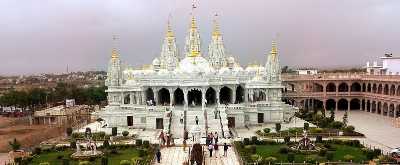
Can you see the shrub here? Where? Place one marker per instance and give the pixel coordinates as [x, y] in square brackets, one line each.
[306, 126]
[286, 139]
[69, 131]
[72, 144]
[142, 152]
[270, 159]
[60, 156]
[377, 152]
[348, 157]
[37, 151]
[246, 141]
[317, 130]
[258, 132]
[349, 128]
[251, 149]
[84, 163]
[290, 157]
[65, 162]
[322, 152]
[139, 142]
[104, 161]
[106, 144]
[44, 163]
[102, 134]
[267, 130]
[15, 145]
[146, 144]
[254, 140]
[318, 139]
[114, 131]
[311, 159]
[125, 133]
[329, 155]
[278, 127]
[283, 150]
[256, 158]
[124, 162]
[337, 124]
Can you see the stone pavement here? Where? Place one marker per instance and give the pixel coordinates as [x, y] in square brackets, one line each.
[378, 129]
[218, 157]
[173, 156]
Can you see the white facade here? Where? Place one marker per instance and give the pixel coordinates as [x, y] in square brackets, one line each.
[390, 66]
[214, 93]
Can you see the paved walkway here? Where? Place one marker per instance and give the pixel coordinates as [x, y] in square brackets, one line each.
[379, 130]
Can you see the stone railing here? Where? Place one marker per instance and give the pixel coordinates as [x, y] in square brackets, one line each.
[340, 76]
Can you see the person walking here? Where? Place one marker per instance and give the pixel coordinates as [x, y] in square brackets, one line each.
[197, 120]
[216, 150]
[158, 155]
[216, 137]
[181, 120]
[210, 148]
[225, 149]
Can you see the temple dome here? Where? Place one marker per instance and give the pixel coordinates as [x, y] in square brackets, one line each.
[156, 61]
[196, 64]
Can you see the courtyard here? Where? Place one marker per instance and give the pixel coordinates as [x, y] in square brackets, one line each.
[379, 130]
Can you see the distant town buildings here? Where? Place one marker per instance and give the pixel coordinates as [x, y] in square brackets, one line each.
[390, 66]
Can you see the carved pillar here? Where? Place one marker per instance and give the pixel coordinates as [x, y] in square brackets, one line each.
[171, 97]
[233, 99]
[348, 104]
[336, 106]
[185, 96]
[218, 89]
[246, 97]
[155, 94]
[203, 98]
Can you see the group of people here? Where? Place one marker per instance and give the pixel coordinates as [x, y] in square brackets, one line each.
[212, 143]
[165, 138]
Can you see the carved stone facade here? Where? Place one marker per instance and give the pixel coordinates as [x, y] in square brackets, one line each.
[378, 94]
[216, 97]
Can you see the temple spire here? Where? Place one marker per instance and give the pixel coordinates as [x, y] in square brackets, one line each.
[114, 52]
[169, 53]
[216, 48]
[192, 45]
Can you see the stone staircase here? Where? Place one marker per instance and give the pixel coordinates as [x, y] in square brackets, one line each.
[214, 122]
[177, 128]
[191, 120]
[224, 122]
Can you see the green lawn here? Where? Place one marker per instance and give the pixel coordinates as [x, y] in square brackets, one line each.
[339, 153]
[52, 157]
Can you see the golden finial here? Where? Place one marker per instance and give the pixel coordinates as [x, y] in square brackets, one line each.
[170, 33]
[194, 53]
[193, 23]
[216, 31]
[114, 52]
[274, 50]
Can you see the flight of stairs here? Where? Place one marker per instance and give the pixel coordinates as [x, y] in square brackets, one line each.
[224, 121]
[191, 120]
[177, 128]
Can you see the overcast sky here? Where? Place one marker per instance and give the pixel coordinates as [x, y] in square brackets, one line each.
[47, 35]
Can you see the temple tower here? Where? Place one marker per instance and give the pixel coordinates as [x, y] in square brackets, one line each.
[216, 49]
[169, 53]
[192, 45]
[114, 75]
[273, 69]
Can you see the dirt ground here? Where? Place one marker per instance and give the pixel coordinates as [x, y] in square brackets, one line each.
[26, 134]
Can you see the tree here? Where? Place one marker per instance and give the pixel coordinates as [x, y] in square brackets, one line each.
[15, 145]
[278, 127]
[332, 117]
[345, 118]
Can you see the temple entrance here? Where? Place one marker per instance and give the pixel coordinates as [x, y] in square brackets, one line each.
[343, 104]
[149, 95]
[163, 97]
[127, 99]
[179, 97]
[194, 97]
[129, 120]
[211, 96]
[239, 95]
[159, 123]
[231, 122]
[355, 104]
[260, 117]
[330, 104]
[225, 95]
